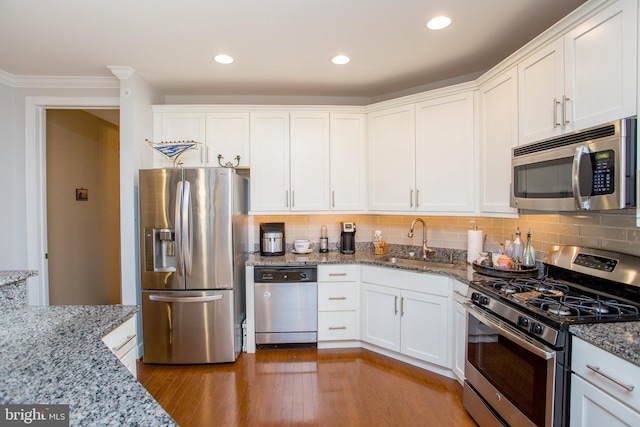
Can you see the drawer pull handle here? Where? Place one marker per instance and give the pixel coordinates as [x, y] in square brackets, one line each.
[333, 328]
[596, 369]
[336, 298]
[126, 341]
[337, 274]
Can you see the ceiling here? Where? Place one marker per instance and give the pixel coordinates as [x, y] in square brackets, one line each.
[281, 47]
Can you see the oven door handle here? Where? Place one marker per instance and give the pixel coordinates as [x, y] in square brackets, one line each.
[539, 350]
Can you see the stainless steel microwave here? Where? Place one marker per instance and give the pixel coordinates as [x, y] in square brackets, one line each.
[592, 169]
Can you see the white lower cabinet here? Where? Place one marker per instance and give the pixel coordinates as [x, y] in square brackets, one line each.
[122, 342]
[459, 329]
[407, 313]
[604, 388]
[338, 302]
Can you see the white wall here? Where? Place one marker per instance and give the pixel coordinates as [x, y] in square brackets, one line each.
[136, 124]
[13, 253]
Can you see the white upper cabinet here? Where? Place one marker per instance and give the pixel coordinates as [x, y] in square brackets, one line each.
[445, 132]
[410, 153]
[498, 129]
[348, 161]
[392, 159]
[180, 126]
[219, 133]
[270, 191]
[586, 78]
[228, 137]
[309, 161]
[600, 61]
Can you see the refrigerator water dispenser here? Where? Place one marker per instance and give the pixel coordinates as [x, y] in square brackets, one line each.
[159, 249]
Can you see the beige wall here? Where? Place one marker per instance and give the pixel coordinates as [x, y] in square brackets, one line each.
[83, 236]
[611, 231]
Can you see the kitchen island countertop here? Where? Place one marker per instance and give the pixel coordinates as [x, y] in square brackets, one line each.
[621, 339]
[55, 355]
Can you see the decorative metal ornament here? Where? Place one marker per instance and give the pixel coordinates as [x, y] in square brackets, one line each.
[172, 150]
[229, 164]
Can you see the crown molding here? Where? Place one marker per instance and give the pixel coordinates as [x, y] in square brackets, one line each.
[122, 72]
[65, 82]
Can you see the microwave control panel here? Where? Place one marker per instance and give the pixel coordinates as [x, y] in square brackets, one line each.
[603, 172]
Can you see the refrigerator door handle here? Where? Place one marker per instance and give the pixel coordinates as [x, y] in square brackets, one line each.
[207, 298]
[178, 228]
[186, 228]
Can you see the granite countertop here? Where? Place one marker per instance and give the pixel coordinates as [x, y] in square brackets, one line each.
[55, 355]
[461, 269]
[621, 339]
[12, 276]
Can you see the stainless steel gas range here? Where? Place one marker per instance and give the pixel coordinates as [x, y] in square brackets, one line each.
[518, 345]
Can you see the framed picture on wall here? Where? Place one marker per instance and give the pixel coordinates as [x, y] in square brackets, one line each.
[82, 194]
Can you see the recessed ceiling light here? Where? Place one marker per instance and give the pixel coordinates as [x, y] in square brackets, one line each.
[439, 22]
[223, 59]
[340, 60]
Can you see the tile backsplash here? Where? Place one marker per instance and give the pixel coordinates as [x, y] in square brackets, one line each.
[615, 231]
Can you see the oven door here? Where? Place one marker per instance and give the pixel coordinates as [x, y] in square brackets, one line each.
[511, 373]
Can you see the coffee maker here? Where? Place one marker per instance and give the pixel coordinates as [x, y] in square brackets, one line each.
[272, 241]
[348, 237]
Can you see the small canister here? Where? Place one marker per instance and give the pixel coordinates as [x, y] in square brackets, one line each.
[324, 240]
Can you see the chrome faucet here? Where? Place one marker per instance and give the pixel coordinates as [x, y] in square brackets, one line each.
[425, 250]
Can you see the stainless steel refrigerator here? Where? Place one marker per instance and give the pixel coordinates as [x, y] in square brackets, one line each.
[193, 238]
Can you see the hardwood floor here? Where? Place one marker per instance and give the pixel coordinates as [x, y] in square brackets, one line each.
[306, 387]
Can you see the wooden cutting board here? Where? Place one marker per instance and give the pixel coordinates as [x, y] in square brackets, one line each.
[524, 296]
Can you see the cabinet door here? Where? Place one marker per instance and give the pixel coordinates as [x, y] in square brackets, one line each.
[424, 327]
[174, 127]
[459, 327]
[380, 316]
[309, 161]
[228, 136]
[592, 407]
[269, 162]
[498, 135]
[540, 90]
[392, 159]
[600, 67]
[348, 162]
[445, 166]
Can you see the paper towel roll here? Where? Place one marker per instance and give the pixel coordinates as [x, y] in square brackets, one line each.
[475, 239]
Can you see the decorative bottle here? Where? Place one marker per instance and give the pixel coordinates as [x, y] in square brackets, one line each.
[517, 247]
[529, 256]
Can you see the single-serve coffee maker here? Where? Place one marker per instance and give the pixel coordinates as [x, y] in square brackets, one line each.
[348, 237]
[272, 241]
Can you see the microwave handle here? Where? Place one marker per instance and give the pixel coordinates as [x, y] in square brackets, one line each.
[580, 159]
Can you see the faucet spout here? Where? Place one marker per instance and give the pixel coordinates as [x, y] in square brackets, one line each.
[425, 249]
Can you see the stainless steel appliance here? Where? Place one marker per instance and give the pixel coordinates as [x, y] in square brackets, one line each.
[272, 240]
[193, 233]
[348, 238]
[518, 345]
[286, 305]
[593, 169]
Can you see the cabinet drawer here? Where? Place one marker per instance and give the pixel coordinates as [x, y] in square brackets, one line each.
[338, 273]
[129, 361]
[122, 339]
[338, 325]
[337, 296]
[627, 373]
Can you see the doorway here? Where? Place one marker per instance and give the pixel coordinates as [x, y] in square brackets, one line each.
[83, 206]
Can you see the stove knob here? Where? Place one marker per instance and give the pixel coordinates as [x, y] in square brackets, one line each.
[303, 276]
[536, 328]
[475, 297]
[523, 322]
[483, 300]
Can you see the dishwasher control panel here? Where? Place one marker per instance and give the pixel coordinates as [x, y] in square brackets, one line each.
[285, 274]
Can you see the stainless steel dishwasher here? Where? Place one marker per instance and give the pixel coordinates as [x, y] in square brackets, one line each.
[286, 305]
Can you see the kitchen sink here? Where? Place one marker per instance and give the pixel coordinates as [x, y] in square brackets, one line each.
[415, 262]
